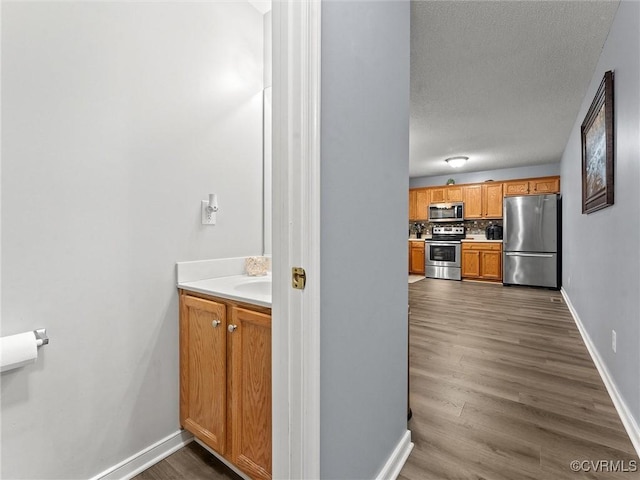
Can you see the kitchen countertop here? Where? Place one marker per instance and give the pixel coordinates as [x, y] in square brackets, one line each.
[479, 238]
[469, 238]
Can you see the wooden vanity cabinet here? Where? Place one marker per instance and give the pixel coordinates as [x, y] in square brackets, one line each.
[203, 372]
[225, 379]
[250, 392]
[482, 260]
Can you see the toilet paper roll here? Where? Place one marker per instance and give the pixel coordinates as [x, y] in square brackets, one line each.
[17, 350]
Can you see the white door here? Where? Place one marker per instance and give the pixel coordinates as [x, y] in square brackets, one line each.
[296, 239]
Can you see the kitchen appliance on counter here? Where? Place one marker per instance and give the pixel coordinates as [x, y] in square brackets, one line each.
[493, 232]
[442, 252]
[446, 212]
[532, 241]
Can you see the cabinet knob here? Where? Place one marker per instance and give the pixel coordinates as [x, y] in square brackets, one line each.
[215, 323]
[231, 328]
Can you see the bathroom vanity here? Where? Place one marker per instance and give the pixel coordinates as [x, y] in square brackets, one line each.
[225, 377]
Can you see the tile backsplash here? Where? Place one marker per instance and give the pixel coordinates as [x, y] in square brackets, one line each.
[474, 227]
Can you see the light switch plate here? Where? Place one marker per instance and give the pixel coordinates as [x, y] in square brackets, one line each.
[208, 218]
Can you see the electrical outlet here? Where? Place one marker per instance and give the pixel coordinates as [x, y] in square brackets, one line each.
[208, 218]
[569, 281]
[613, 341]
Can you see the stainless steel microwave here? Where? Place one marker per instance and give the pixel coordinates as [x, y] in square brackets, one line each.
[446, 212]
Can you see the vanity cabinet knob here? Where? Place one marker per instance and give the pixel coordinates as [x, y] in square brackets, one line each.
[215, 323]
[231, 328]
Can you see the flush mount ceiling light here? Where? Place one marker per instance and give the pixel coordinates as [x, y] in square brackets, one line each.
[457, 162]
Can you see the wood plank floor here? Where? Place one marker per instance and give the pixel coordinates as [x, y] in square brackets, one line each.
[502, 387]
[191, 462]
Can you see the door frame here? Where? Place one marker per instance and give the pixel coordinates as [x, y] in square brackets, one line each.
[296, 239]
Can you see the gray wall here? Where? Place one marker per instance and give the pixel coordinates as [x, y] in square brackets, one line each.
[118, 119]
[601, 268]
[364, 293]
[545, 170]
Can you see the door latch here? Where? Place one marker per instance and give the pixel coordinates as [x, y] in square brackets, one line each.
[298, 278]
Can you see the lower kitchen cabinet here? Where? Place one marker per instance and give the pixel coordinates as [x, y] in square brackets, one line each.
[225, 379]
[482, 261]
[416, 257]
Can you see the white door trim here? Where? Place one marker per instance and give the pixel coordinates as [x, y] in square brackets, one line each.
[296, 239]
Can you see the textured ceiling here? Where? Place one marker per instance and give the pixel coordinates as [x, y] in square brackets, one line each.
[500, 82]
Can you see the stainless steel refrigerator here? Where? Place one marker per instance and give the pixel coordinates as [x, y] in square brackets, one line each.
[531, 242]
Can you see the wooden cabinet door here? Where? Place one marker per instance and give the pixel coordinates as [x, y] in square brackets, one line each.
[417, 257]
[422, 204]
[470, 263]
[472, 198]
[491, 265]
[544, 185]
[412, 205]
[250, 392]
[203, 370]
[438, 195]
[454, 194]
[519, 187]
[492, 199]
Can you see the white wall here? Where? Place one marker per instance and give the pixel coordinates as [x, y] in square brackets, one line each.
[544, 170]
[364, 180]
[118, 118]
[601, 264]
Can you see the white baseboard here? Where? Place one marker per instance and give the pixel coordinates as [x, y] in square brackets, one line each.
[144, 459]
[396, 461]
[629, 422]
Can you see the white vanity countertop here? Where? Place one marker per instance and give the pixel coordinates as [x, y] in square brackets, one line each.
[241, 288]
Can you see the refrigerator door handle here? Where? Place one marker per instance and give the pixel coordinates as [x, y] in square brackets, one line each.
[541, 255]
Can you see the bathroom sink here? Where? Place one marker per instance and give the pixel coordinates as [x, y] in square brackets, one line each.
[243, 288]
[255, 287]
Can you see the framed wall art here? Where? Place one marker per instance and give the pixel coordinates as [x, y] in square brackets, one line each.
[597, 134]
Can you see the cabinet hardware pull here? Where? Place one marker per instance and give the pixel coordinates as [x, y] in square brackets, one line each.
[231, 328]
[215, 323]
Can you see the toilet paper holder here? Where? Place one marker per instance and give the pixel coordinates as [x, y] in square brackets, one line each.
[41, 336]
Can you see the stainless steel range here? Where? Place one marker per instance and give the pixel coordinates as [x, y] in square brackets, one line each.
[442, 253]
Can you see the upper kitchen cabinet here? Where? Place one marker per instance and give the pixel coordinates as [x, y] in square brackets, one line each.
[422, 203]
[446, 194]
[412, 205]
[482, 200]
[532, 186]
